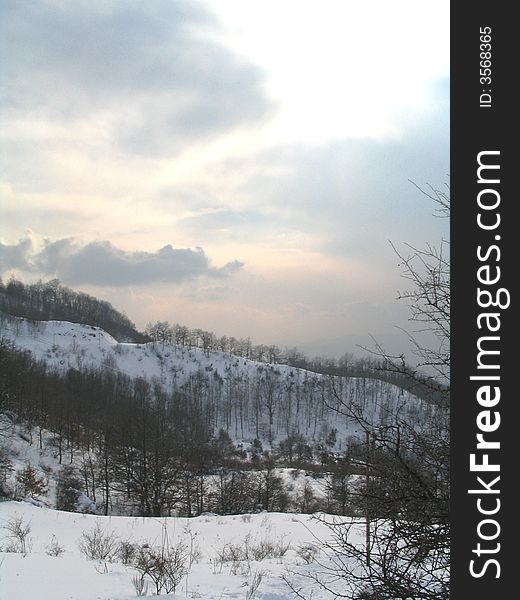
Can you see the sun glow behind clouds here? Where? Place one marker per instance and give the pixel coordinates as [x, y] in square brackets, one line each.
[341, 68]
[305, 121]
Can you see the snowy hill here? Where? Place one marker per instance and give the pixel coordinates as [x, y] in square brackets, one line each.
[61, 437]
[248, 399]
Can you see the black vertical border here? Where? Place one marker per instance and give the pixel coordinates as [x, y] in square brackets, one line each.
[475, 129]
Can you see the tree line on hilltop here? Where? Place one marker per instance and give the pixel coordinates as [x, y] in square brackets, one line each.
[53, 301]
[44, 301]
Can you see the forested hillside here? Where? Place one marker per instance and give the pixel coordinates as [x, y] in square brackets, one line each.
[52, 300]
[185, 422]
[151, 428]
[247, 398]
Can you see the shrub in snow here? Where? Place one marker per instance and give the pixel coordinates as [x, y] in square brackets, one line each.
[234, 554]
[140, 585]
[97, 544]
[31, 484]
[308, 553]
[165, 566]
[53, 548]
[270, 549]
[69, 493]
[17, 534]
[127, 553]
[250, 550]
[254, 584]
[85, 505]
[194, 552]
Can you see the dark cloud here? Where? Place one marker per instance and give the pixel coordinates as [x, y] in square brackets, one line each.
[153, 62]
[16, 256]
[103, 264]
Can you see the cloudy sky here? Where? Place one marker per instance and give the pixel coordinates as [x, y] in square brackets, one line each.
[234, 165]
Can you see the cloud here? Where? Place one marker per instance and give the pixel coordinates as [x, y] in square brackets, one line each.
[226, 225]
[349, 196]
[16, 256]
[103, 264]
[153, 74]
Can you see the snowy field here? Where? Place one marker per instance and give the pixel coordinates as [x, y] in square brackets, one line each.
[54, 568]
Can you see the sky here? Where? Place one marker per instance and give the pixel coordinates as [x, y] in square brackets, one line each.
[238, 166]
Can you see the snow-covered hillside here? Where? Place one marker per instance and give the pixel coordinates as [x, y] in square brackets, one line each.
[65, 442]
[248, 399]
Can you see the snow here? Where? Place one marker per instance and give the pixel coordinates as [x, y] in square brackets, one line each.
[45, 573]
[70, 576]
[23, 448]
[38, 575]
[297, 394]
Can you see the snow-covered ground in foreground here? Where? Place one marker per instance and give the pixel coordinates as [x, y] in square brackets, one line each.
[70, 576]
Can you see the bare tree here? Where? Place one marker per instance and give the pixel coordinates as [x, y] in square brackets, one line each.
[428, 272]
[398, 545]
